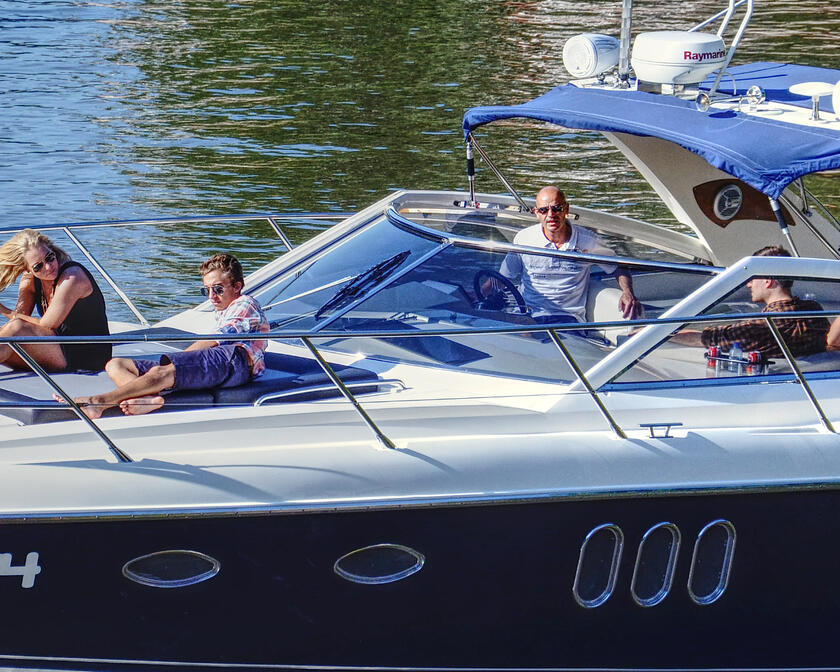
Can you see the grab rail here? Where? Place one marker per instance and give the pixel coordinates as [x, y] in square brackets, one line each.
[346, 388]
[715, 17]
[735, 42]
[25, 356]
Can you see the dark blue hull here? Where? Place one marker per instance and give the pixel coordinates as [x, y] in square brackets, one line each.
[498, 588]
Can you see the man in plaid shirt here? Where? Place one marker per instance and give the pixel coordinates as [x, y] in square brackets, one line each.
[803, 336]
[204, 364]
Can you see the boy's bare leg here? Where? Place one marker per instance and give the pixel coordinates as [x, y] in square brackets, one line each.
[142, 405]
[150, 384]
[121, 370]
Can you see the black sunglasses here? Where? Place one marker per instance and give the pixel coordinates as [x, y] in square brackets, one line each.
[218, 290]
[553, 208]
[47, 260]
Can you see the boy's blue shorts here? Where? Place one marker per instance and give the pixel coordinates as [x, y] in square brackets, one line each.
[219, 366]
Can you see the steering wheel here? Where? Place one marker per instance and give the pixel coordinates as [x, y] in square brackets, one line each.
[500, 292]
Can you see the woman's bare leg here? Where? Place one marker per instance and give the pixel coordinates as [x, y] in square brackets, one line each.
[48, 355]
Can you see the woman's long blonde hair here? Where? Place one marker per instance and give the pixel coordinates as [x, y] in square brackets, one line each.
[12, 263]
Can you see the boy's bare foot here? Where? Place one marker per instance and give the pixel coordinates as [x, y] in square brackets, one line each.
[141, 405]
[89, 408]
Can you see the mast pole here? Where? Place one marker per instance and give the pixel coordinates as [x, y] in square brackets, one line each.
[624, 44]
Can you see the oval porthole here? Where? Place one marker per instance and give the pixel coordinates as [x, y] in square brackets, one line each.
[711, 561]
[171, 569]
[381, 563]
[597, 568]
[656, 561]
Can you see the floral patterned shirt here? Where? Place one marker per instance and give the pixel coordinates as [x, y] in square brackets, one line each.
[244, 316]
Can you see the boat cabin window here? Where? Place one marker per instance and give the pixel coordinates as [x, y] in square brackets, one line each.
[736, 318]
[499, 222]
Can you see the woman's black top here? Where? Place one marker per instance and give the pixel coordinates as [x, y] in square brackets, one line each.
[86, 318]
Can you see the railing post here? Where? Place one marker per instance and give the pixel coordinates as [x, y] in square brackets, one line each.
[800, 378]
[384, 440]
[25, 356]
[582, 378]
[107, 277]
[280, 234]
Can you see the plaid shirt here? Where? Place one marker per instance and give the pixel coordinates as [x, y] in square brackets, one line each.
[244, 316]
[804, 336]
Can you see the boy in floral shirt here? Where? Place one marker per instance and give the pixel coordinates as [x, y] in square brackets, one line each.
[204, 364]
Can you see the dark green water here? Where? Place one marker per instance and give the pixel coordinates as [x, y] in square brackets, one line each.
[131, 108]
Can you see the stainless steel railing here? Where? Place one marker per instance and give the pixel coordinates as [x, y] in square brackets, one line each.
[345, 390]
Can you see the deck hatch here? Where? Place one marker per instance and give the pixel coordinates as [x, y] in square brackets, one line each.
[380, 563]
[171, 569]
[597, 568]
[711, 561]
[656, 560]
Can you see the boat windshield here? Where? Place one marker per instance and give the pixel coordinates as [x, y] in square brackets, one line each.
[311, 292]
[399, 279]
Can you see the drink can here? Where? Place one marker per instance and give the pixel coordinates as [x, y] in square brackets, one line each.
[754, 357]
[712, 354]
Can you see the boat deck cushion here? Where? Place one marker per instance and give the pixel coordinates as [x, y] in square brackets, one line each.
[30, 398]
[284, 373]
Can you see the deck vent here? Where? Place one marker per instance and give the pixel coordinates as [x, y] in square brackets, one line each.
[171, 569]
[381, 563]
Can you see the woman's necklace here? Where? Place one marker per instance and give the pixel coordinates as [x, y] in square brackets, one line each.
[47, 293]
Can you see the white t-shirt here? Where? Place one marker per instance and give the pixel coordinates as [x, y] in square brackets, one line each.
[550, 285]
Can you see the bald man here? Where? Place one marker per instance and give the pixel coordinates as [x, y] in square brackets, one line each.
[555, 289]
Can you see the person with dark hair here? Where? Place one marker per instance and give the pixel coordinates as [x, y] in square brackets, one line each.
[66, 297]
[802, 335]
[204, 364]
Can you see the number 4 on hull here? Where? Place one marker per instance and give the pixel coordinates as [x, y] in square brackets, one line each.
[27, 571]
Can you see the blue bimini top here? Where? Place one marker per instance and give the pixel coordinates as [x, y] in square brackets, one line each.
[763, 152]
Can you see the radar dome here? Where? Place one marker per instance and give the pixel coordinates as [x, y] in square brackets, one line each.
[676, 57]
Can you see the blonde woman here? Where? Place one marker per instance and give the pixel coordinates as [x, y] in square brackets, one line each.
[66, 297]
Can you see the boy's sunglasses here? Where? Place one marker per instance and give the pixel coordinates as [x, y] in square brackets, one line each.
[47, 260]
[218, 290]
[554, 208]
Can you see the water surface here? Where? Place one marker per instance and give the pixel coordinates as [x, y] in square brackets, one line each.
[147, 108]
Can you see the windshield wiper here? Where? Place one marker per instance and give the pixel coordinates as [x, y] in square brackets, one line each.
[366, 278]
